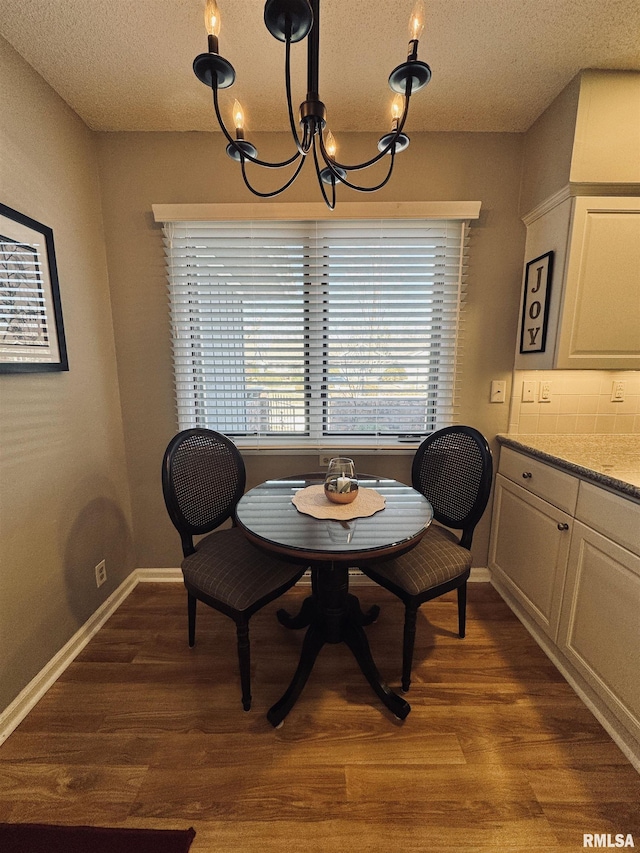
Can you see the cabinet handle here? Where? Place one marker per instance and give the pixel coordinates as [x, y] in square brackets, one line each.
[526, 475]
[563, 526]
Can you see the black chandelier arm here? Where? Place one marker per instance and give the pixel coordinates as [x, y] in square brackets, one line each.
[273, 193]
[304, 145]
[383, 182]
[395, 135]
[330, 204]
[232, 141]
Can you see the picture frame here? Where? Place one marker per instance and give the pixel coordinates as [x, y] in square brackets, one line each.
[31, 327]
[535, 303]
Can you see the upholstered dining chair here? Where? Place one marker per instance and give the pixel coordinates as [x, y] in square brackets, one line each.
[453, 469]
[203, 478]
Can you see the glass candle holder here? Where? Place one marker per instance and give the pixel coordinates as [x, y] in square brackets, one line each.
[340, 484]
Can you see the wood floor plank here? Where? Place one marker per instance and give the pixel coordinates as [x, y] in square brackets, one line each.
[570, 821]
[75, 748]
[237, 790]
[367, 744]
[584, 784]
[498, 752]
[591, 748]
[450, 783]
[56, 793]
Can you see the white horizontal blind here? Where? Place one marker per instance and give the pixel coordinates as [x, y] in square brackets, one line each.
[316, 329]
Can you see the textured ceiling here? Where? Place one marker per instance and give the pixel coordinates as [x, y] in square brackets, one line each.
[497, 64]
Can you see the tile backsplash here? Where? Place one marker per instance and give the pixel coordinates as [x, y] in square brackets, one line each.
[580, 402]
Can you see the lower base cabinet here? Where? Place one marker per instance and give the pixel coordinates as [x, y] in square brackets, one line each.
[599, 629]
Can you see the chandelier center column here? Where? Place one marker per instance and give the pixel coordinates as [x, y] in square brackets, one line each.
[313, 110]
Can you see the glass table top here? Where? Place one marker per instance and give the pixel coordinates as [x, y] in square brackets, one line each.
[267, 513]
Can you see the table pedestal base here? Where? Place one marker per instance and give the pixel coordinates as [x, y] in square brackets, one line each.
[332, 615]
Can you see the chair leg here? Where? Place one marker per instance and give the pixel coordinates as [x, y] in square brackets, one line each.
[462, 609]
[410, 613]
[191, 610]
[244, 660]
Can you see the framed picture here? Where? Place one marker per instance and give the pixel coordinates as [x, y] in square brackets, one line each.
[31, 328]
[535, 304]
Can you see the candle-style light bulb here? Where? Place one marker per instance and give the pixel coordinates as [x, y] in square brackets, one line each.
[238, 115]
[212, 18]
[240, 148]
[416, 21]
[397, 108]
[330, 145]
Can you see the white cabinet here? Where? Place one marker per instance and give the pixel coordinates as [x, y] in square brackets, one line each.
[594, 313]
[565, 555]
[599, 629]
[530, 536]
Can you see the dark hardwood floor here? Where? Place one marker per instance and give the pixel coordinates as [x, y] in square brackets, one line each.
[498, 753]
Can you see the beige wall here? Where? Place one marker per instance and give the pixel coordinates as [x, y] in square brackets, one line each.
[548, 149]
[138, 170]
[64, 500]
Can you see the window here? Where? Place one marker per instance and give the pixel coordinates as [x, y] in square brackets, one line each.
[307, 331]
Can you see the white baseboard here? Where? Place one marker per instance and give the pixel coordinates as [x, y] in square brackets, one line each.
[159, 575]
[480, 574]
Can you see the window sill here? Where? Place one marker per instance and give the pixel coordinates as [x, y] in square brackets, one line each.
[276, 447]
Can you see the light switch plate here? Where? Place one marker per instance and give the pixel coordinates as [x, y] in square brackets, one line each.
[529, 391]
[498, 391]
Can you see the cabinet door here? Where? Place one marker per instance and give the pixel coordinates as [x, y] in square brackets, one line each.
[600, 621]
[528, 551]
[600, 315]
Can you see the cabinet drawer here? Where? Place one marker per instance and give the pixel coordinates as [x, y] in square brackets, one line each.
[614, 516]
[555, 486]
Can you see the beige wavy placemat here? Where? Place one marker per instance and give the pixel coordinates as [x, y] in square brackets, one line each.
[313, 501]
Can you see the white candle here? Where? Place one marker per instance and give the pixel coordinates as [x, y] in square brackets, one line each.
[344, 484]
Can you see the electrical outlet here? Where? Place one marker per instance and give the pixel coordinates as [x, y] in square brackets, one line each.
[529, 391]
[544, 395]
[325, 458]
[617, 391]
[101, 573]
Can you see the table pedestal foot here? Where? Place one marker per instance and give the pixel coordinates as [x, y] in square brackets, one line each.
[312, 643]
[358, 613]
[302, 619]
[357, 641]
[333, 616]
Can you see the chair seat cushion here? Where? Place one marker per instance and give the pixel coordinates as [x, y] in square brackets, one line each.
[436, 559]
[228, 568]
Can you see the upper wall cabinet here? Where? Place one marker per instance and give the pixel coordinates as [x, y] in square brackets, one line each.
[593, 296]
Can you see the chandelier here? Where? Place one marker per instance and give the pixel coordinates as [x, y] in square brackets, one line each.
[291, 21]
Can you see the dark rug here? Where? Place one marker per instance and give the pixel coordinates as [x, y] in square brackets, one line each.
[43, 838]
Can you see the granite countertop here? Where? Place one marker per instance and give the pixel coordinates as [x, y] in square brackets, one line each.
[609, 460]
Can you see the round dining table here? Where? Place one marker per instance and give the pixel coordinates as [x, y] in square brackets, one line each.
[331, 614]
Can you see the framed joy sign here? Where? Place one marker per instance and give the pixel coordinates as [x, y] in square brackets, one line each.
[31, 328]
[535, 304]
